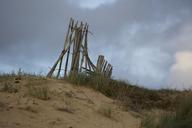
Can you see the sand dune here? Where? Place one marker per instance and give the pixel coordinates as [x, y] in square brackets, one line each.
[67, 106]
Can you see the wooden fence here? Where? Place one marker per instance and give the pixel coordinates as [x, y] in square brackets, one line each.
[76, 55]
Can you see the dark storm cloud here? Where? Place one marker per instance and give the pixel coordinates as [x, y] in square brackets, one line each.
[140, 38]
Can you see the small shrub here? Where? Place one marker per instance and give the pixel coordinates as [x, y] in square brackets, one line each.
[40, 92]
[148, 122]
[105, 111]
[9, 87]
[80, 79]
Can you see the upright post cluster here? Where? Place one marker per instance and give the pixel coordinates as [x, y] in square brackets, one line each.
[75, 54]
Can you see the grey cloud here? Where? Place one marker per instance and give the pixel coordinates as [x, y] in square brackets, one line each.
[138, 38]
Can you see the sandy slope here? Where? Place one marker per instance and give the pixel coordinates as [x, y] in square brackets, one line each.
[69, 106]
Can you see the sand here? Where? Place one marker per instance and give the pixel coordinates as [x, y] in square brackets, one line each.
[68, 106]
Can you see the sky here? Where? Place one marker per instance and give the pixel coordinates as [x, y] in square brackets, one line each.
[148, 42]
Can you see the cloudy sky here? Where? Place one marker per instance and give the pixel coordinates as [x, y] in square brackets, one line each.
[149, 42]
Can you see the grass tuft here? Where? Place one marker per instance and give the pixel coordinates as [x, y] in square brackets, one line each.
[40, 92]
[9, 87]
[105, 111]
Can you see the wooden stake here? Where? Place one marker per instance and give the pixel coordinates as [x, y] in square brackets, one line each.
[58, 73]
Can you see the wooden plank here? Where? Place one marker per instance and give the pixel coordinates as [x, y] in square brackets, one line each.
[75, 52]
[100, 62]
[110, 72]
[67, 35]
[66, 63]
[104, 67]
[55, 64]
[82, 61]
[59, 70]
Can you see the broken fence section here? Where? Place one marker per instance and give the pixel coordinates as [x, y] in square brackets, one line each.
[74, 57]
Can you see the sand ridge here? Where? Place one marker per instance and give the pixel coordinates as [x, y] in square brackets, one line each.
[69, 106]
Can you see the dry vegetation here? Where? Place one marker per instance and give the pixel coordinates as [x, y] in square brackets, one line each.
[175, 106]
[131, 96]
[41, 92]
[156, 108]
[181, 118]
[106, 111]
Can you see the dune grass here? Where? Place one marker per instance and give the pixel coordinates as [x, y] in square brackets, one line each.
[128, 95]
[105, 111]
[40, 92]
[9, 87]
[181, 118]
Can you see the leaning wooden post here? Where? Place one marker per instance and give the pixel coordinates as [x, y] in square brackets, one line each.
[58, 73]
[68, 52]
[66, 64]
[74, 47]
[61, 55]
